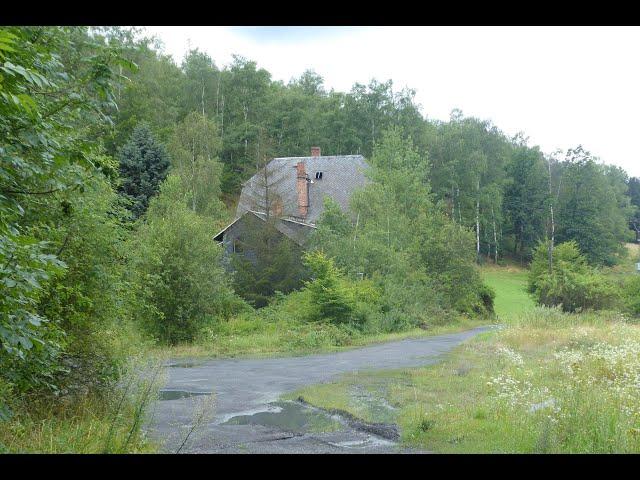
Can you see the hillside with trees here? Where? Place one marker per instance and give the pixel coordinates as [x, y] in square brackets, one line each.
[118, 165]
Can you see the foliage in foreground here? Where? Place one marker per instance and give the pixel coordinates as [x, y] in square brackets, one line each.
[108, 421]
[59, 218]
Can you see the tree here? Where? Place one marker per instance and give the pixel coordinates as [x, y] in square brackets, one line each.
[56, 96]
[264, 196]
[243, 95]
[154, 94]
[176, 269]
[469, 158]
[421, 261]
[92, 298]
[194, 147]
[589, 209]
[525, 196]
[269, 261]
[572, 284]
[143, 166]
[201, 84]
[329, 297]
[634, 198]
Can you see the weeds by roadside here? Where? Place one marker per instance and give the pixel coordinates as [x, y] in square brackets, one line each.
[260, 338]
[105, 422]
[548, 382]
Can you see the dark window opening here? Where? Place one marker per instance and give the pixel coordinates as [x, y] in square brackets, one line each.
[237, 246]
[318, 175]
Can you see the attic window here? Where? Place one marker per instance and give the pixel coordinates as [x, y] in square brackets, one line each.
[318, 175]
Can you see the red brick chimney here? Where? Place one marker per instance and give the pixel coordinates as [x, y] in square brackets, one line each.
[302, 187]
[315, 151]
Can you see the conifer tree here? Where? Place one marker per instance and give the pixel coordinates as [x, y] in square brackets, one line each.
[143, 166]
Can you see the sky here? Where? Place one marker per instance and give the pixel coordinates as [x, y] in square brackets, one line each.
[561, 86]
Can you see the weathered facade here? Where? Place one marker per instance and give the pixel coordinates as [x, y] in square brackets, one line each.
[291, 191]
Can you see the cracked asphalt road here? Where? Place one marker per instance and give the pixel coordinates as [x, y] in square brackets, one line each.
[249, 389]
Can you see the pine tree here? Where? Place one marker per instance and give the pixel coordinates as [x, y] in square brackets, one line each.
[143, 166]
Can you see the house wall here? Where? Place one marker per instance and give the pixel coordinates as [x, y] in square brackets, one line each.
[242, 228]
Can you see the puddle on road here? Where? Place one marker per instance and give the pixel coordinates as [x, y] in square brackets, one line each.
[178, 394]
[183, 365]
[289, 416]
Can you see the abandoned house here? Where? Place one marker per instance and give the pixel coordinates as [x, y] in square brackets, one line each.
[289, 192]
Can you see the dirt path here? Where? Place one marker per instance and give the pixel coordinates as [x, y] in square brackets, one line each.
[247, 416]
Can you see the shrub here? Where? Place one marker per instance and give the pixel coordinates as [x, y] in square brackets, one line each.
[328, 296]
[631, 295]
[572, 284]
[334, 298]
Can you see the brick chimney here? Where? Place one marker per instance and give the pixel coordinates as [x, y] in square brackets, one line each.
[302, 186]
[315, 151]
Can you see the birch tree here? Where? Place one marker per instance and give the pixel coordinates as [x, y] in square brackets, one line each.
[194, 147]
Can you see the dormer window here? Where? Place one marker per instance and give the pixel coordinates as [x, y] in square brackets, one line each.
[318, 175]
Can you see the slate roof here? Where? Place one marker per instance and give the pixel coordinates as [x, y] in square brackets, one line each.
[341, 176]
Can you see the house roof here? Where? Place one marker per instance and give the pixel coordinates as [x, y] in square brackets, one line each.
[341, 175]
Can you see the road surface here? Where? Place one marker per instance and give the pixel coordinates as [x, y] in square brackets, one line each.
[244, 414]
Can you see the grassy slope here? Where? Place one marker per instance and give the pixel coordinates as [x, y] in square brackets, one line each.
[548, 382]
[510, 284]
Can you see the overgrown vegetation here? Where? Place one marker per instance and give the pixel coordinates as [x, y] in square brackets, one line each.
[265, 262]
[175, 267]
[421, 262]
[117, 166]
[569, 282]
[548, 382]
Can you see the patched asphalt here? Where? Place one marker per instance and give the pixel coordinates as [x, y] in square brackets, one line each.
[242, 415]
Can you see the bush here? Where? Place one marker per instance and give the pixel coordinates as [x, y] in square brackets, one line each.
[631, 295]
[572, 284]
[334, 298]
[329, 298]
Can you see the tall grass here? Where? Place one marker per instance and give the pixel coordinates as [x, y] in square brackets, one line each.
[104, 422]
[548, 382]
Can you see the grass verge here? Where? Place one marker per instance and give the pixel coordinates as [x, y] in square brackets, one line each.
[109, 422]
[510, 285]
[258, 338]
[547, 383]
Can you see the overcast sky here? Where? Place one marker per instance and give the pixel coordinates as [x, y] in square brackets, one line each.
[561, 86]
